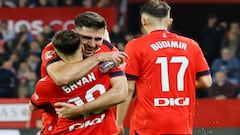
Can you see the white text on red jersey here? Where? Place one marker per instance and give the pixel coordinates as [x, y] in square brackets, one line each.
[84, 80]
[168, 44]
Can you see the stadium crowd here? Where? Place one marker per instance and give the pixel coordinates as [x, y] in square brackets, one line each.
[20, 51]
[57, 3]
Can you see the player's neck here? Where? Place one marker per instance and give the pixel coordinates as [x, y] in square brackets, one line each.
[149, 29]
[72, 58]
[153, 24]
[77, 56]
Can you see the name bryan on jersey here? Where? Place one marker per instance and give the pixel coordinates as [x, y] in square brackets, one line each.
[84, 80]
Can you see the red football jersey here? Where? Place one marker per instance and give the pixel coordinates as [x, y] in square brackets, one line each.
[49, 56]
[165, 67]
[80, 92]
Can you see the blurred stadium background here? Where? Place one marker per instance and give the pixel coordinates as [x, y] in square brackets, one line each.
[42, 18]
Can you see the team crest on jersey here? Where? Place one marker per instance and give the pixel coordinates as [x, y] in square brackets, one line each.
[35, 96]
[49, 54]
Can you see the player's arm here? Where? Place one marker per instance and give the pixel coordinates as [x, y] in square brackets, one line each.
[204, 82]
[123, 107]
[40, 97]
[63, 73]
[204, 78]
[117, 94]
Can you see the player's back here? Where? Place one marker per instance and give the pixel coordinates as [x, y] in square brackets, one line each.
[166, 66]
[85, 90]
[49, 56]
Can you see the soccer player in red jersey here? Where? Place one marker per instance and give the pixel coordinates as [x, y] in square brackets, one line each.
[166, 69]
[92, 28]
[80, 92]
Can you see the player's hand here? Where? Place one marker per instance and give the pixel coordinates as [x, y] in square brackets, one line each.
[115, 56]
[120, 130]
[66, 110]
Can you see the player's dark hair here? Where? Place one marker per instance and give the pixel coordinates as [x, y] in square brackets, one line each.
[156, 8]
[66, 41]
[90, 19]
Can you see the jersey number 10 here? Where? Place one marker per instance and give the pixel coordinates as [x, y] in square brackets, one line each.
[89, 95]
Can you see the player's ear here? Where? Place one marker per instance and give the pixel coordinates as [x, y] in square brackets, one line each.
[143, 21]
[170, 21]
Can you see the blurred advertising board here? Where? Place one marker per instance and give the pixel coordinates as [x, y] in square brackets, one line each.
[14, 113]
[61, 18]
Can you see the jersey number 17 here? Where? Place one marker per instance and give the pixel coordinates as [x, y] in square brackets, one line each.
[164, 71]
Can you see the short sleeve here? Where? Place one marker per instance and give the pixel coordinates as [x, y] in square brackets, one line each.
[42, 92]
[132, 63]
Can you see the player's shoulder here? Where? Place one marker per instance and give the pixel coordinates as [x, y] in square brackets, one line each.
[45, 81]
[49, 46]
[48, 52]
[137, 43]
[139, 40]
[45, 84]
[186, 39]
[45, 87]
[107, 46]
